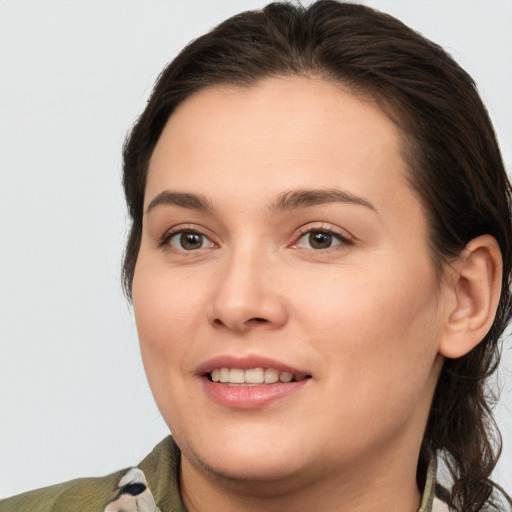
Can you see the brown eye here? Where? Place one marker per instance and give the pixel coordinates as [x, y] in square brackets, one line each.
[189, 241]
[320, 240]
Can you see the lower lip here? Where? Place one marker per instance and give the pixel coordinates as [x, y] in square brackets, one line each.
[250, 397]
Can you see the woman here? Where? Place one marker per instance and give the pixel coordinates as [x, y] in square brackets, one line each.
[319, 263]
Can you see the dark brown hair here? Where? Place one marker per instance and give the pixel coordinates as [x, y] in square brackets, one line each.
[449, 144]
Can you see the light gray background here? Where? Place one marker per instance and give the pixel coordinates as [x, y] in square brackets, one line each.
[74, 74]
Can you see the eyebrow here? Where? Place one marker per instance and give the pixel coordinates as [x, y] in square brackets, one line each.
[296, 199]
[185, 200]
[292, 200]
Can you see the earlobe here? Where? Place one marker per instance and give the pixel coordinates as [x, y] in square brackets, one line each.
[476, 286]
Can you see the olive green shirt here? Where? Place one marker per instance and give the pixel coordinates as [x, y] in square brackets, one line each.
[153, 486]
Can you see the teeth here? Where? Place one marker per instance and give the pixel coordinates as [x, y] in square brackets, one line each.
[271, 375]
[236, 376]
[252, 377]
[285, 377]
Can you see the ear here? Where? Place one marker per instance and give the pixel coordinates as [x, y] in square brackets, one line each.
[475, 282]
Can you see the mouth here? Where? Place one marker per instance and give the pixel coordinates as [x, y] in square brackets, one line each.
[251, 381]
[253, 376]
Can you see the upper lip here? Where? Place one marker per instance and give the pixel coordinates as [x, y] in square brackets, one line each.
[246, 363]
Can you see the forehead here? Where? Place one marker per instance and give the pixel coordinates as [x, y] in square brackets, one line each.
[280, 134]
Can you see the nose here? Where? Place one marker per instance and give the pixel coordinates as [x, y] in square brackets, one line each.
[247, 295]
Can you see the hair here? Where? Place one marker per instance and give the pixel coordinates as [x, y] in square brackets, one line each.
[449, 145]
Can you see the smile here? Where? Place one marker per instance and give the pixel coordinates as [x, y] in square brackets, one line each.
[252, 376]
[251, 381]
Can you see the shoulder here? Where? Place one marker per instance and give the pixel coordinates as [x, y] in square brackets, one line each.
[155, 480]
[84, 494]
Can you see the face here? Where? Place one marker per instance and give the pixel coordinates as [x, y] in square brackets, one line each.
[287, 306]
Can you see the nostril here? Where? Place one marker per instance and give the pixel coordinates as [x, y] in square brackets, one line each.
[237, 320]
[218, 322]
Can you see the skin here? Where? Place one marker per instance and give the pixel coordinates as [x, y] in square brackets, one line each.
[365, 318]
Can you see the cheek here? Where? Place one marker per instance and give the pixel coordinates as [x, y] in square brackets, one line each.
[379, 326]
[167, 311]
[380, 350]
[166, 316]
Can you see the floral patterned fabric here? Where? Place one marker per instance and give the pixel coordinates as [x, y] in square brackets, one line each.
[134, 494]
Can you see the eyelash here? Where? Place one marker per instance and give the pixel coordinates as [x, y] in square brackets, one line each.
[169, 235]
[340, 236]
[331, 231]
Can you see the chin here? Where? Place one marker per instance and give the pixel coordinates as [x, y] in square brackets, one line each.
[247, 469]
[246, 458]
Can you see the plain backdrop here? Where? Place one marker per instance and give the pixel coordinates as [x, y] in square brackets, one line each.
[74, 75]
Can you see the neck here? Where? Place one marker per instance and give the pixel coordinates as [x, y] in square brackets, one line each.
[386, 485]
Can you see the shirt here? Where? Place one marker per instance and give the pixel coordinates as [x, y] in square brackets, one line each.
[152, 486]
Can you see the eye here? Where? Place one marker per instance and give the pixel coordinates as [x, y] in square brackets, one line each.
[319, 239]
[188, 241]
